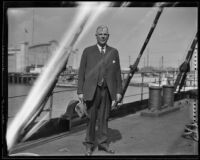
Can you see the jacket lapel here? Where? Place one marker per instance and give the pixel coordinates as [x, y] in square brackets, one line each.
[96, 54]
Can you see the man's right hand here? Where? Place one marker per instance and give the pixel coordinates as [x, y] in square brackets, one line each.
[80, 97]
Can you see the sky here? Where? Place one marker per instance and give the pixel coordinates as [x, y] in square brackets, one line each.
[128, 28]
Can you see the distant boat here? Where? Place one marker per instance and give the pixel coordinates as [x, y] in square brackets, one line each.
[36, 69]
[66, 85]
[147, 74]
[70, 77]
[165, 81]
[155, 74]
[72, 83]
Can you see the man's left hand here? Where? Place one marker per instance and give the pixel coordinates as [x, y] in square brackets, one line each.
[119, 96]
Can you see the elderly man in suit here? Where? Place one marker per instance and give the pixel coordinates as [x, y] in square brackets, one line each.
[99, 84]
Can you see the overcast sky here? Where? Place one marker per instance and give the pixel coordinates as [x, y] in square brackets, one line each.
[128, 29]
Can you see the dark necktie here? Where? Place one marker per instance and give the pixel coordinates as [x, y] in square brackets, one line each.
[101, 79]
[102, 51]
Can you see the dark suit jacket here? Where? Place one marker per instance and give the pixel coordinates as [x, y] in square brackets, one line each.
[89, 71]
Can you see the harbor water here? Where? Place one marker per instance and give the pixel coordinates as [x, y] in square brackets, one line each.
[17, 94]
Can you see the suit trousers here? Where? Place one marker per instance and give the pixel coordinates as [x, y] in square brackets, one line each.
[98, 110]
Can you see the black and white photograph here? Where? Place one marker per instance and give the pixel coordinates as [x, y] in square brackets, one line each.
[100, 78]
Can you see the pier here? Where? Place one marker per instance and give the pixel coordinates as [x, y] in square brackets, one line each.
[141, 79]
[21, 78]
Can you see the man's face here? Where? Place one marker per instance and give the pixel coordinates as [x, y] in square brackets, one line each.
[102, 36]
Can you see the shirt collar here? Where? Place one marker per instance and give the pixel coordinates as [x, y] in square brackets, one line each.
[99, 47]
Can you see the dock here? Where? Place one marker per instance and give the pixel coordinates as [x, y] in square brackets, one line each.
[21, 78]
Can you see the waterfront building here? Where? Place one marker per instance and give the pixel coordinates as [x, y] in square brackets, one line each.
[39, 54]
[17, 58]
[25, 58]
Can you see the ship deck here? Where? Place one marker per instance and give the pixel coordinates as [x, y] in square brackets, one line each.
[131, 135]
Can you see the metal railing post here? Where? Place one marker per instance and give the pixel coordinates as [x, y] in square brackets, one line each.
[51, 105]
[159, 79]
[142, 86]
[194, 78]
[185, 84]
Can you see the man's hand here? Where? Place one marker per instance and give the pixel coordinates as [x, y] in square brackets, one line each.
[113, 106]
[119, 96]
[80, 97]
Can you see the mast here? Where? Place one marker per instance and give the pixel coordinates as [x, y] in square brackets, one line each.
[133, 68]
[33, 26]
[185, 67]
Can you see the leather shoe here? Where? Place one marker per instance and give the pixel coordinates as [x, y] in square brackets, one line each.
[106, 149]
[88, 151]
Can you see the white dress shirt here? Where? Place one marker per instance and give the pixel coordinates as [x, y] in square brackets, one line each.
[104, 48]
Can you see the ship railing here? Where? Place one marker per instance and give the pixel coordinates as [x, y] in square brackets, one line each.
[51, 99]
[142, 84]
[46, 107]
